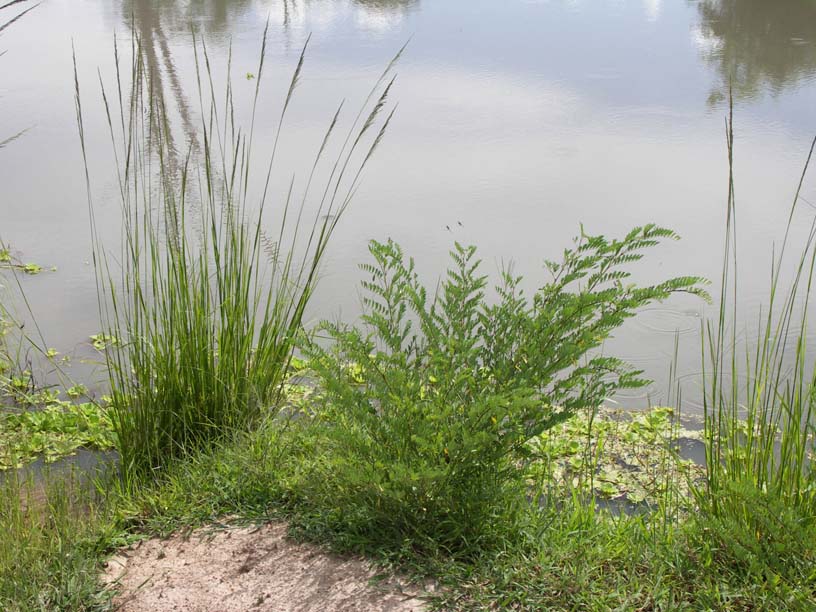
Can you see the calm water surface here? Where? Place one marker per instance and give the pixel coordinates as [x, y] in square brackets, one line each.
[518, 120]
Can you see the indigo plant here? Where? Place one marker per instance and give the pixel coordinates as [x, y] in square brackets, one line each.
[428, 407]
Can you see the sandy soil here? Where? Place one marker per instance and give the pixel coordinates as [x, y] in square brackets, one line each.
[249, 568]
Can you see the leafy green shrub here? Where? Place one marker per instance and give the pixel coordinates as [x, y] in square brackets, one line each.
[427, 411]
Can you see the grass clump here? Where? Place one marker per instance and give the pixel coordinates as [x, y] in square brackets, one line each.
[426, 413]
[762, 434]
[757, 505]
[208, 306]
[50, 549]
[758, 541]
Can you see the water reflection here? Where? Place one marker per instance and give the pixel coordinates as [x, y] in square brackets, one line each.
[204, 15]
[155, 23]
[219, 16]
[149, 20]
[21, 6]
[757, 45]
[652, 9]
[388, 4]
[381, 15]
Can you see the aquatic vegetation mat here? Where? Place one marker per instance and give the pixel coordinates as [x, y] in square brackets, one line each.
[617, 454]
[53, 432]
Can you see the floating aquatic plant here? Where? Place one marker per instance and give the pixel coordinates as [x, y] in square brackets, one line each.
[53, 432]
[617, 454]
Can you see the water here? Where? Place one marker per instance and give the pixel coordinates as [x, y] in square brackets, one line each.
[518, 120]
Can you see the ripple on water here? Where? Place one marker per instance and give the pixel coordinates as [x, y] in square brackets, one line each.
[665, 320]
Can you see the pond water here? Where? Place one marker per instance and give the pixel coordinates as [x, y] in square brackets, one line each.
[518, 120]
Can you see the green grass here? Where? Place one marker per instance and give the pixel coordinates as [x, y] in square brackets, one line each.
[774, 449]
[207, 305]
[50, 548]
[563, 556]
[577, 559]
[757, 506]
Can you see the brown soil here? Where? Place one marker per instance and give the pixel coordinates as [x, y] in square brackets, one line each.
[250, 568]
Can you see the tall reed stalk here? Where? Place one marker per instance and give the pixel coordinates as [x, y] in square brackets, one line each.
[761, 432]
[205, 308]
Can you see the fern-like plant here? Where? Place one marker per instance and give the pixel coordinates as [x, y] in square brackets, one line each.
[427, 409]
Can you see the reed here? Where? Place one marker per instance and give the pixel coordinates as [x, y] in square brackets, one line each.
[204, 308]
[760, 432]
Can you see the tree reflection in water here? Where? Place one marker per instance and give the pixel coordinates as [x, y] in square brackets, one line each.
[758, 46]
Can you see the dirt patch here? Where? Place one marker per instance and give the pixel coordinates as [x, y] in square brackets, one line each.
[250, 568]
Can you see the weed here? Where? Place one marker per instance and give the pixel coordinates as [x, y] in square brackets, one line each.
[427, 413]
